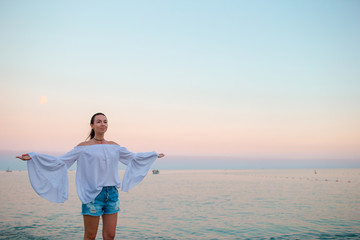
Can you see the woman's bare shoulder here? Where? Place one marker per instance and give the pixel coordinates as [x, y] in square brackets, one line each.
[112, 143]
[86, 143]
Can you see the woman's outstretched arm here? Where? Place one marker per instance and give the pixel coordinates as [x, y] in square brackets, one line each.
[48, 174]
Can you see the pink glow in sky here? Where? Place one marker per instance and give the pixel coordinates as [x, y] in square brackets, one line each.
[191, 79]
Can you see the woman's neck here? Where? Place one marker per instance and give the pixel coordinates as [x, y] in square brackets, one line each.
[99, 137]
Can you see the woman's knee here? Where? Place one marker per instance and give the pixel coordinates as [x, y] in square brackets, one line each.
[89, 235]
[109, 235]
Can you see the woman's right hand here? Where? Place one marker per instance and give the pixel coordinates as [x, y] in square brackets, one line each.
[24, 157]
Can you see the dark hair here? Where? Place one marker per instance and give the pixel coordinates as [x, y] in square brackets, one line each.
[92, 133]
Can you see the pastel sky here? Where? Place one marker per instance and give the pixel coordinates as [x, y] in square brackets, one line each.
[256, 79]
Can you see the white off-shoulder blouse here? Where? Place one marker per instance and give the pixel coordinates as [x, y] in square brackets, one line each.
[97, 167]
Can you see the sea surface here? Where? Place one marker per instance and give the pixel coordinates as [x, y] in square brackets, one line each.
[199, 204]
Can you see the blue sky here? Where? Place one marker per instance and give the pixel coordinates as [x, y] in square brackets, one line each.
[258, 79]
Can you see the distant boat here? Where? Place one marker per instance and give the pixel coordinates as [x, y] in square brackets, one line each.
[8, 170]
[155, 171]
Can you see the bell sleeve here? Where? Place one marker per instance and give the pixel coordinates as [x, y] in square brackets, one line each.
[138, 165]
[48, 174]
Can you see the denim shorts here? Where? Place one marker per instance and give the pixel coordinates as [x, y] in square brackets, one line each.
[107, 202]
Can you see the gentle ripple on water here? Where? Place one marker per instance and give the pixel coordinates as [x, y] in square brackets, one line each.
[200, 204]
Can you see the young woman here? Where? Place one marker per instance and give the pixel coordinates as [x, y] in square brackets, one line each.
[97, 178]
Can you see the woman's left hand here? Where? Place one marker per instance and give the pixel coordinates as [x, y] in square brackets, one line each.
[161, 155]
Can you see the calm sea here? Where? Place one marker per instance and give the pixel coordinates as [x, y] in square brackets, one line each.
[200, 204]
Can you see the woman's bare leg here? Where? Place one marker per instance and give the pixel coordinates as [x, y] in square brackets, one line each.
[91, 224]
[109, 226]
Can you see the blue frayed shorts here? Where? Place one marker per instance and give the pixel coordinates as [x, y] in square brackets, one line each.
[107, 202]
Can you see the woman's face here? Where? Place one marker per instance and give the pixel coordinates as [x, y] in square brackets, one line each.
[100, 124]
